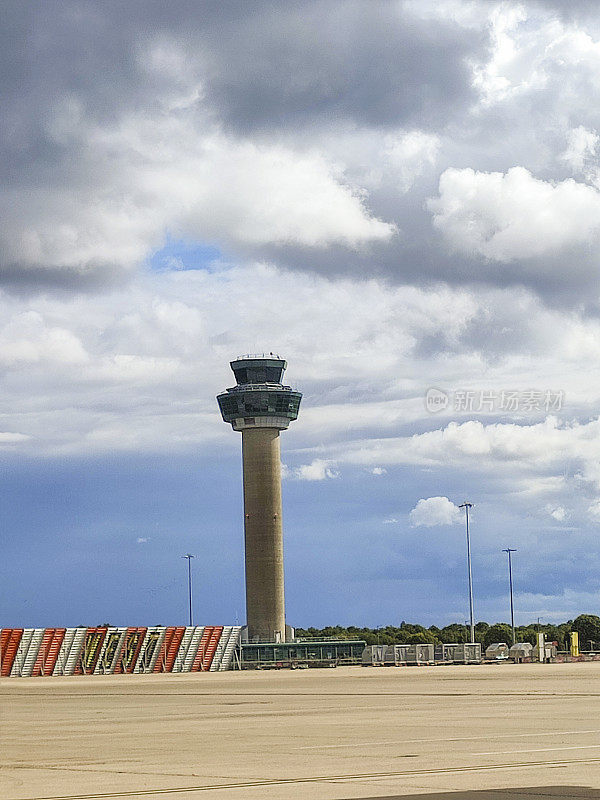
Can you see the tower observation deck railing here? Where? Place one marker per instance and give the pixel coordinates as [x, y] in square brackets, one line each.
[252, 356]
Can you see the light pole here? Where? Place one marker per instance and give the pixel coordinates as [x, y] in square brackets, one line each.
[510, 550]
[189, 557]
[466, 507]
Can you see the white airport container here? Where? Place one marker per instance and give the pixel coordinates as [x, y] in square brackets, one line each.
[497, 651]
[373, 655]
[444, 653]
[467, 653]
[420, 654]
[520, 650]
[398, 654]
[395, 655]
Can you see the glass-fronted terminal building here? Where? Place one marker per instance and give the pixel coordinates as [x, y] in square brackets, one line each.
[311, 653]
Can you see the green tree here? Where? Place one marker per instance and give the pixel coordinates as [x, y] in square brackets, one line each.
[552, 633]
[527, 633]
[587, 625]
[408, 628]
[500, 632]
[334, 631]
[564, 635]
[454, 633]
[588, 628]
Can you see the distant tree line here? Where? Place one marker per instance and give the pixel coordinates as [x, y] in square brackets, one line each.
[587, 625]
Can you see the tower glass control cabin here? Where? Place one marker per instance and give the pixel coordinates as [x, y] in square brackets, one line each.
[260, 406]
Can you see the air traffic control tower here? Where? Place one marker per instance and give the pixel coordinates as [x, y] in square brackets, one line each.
[260, 406]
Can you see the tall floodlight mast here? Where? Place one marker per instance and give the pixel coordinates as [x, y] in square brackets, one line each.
[260, 406]
[189, 557]
[511, 550]
[466, 507]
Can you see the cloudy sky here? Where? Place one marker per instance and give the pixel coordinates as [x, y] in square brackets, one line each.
[400, 198]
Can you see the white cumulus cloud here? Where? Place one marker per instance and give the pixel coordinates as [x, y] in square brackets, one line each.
[433, 511]
[317, 470]
[513, 215]
[28, 338]
[193, 181]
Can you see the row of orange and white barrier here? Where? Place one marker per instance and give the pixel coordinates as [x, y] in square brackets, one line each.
[31, 652]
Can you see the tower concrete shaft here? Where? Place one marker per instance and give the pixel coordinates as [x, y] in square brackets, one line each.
[260, 406]
[263, 528]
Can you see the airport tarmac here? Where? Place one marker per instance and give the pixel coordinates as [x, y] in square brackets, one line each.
[490, 732]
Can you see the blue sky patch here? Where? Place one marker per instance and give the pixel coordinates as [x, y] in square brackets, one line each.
[178, 254]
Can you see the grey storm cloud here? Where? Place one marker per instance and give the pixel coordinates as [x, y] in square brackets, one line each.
[325, 61]
[263, 64]
[77, 73]
[113, 113]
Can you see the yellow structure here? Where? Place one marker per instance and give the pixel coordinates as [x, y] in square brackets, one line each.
[574, 643]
